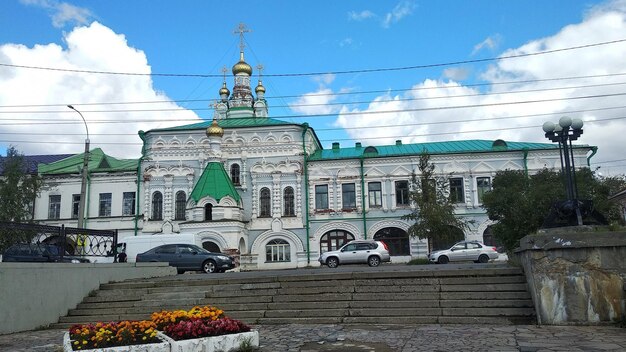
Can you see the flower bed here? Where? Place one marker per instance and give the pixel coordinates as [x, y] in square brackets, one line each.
[198, 329]
[101, 335]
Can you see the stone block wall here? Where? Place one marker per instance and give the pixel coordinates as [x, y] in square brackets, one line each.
[576, 275]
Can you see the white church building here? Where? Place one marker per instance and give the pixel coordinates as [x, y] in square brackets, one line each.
[267, 190]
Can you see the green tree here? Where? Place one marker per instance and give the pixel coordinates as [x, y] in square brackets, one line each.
[18, 190]
[520, 203]
[433, 216]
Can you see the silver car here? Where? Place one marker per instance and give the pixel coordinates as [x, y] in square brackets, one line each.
[464, 251]
[357, 252]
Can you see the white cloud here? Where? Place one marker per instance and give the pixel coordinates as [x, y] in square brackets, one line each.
[346, 42]
[401, 10]
[324, 79]
[62, 13]
[600, 25]
[94, 47]
[490, 43]
[315, 103]
[456, 73]
[360, 16]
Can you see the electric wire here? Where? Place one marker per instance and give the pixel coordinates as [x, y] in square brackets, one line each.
[358, 92]
[347, 113]
[360, 138]
[403, 68]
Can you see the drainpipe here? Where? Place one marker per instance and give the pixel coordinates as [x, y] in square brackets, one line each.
[363, 198]
[306, 194]
[594, 150]
[87, 200]
[525, 151]
[143, 151]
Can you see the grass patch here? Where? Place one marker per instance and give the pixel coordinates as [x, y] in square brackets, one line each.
[418, 261]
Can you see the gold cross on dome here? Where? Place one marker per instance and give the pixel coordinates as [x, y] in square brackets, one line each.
[241, 29]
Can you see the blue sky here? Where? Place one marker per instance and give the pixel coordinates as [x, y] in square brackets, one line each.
[196, 37]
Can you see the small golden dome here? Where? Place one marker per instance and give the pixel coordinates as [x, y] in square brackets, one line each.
[242, 66]
[214, 130]
[224, 90]
[259, 88]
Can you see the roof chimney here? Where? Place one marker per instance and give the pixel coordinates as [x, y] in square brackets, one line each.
[398, 142]
[357, 145]
[335, 145]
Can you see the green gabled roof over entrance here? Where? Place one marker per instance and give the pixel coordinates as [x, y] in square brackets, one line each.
[214, 183]
[230, 123]
[98, 162]
[448, 147]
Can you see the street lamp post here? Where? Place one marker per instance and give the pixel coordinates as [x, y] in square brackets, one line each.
[566, 131]
[83, 184]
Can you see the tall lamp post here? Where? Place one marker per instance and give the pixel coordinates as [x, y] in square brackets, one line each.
[566, 131]
[83, 184]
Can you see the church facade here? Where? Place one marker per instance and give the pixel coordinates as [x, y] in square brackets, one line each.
[267, 190]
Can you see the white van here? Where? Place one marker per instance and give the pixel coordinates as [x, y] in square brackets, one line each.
[133, 245]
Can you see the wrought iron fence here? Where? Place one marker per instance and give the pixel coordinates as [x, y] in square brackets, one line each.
[70, 240]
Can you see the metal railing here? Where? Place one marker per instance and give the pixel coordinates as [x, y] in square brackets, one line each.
[70, 240]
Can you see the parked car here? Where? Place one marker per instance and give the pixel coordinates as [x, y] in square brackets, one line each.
[464, 251]
[39, 253]
[188, 257]
[357, 252]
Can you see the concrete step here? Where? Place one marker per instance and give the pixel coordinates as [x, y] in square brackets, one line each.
[493, 295]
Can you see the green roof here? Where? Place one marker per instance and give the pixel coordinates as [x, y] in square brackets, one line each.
[448, 147]
[230, 123]
[215, 183]
[98, 162]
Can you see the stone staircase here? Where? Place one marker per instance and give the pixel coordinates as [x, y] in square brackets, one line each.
[489, 295]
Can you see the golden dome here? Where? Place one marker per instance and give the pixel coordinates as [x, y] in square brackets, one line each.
[242, 66]
[259, 88]
[214, 130]
[224, 90]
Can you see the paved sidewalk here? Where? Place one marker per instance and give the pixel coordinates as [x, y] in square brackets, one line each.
[347, 338]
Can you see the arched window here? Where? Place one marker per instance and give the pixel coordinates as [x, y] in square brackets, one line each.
[181, 200]
[397, 240]
[235, 174]
[157, 206]
[208, 212]
[265, 203]
[446, 242]
[277, 251]
[288, 202]
[332, 240]
[211, 247]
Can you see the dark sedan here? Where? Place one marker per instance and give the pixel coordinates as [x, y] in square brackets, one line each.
[39, 253]
[188, 257]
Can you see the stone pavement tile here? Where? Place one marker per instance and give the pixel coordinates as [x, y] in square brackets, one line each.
[348, 338]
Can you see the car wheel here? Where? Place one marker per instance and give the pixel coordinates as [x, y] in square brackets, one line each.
[483, 258]
[332, 262]
[209, 267]
[443, 260]
[180, 271]
[373, 261]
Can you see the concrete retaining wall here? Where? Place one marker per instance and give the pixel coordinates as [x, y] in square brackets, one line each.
[33, 295]
[576, 275]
